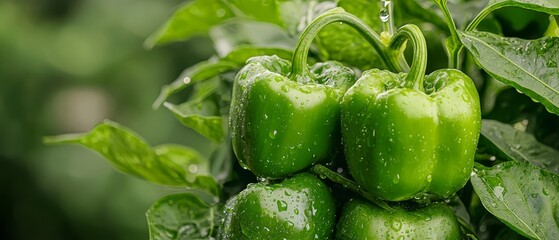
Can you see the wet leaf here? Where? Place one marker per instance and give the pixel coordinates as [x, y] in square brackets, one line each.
[425, 10]
[462, 11]
[292, 13]
[171, 165]
[202, 116]
[260, 10]
[530, 66]
[180, 216]
[222, 161]
[522, 196]
[193, 18]
[213, 67]
[341, 42]
[461, 213]
[547, 6]
[509, 143]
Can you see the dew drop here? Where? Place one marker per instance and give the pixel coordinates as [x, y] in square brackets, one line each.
[384, 15]
[396, 225]
[193, 168]
[282, 206]
[186, 80]
[220, 13]
[396, 179]
[499, 192]
[534, 195]
[272, 134]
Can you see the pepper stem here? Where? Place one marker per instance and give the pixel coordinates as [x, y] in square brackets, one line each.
[416, 74]
[300, 55]
[324, 172]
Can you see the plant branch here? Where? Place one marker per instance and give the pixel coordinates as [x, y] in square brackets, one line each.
[454, 46]
[300, 55]
[324, 172]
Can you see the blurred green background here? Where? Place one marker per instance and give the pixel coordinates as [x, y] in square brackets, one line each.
[66, 65]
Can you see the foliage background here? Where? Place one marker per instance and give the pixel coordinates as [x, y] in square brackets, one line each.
[65, 65]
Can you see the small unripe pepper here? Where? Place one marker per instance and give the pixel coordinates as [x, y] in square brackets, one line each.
[300, 207]
[363, 220]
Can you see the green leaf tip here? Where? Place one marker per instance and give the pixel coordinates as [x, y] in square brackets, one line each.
[190, 19]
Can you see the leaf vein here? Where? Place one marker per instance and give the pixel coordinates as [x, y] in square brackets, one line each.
[508, 208]
[513, 63]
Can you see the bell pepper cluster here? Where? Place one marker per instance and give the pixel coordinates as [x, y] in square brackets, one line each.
[404, 137]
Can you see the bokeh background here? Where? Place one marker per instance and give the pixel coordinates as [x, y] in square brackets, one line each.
[66, 65]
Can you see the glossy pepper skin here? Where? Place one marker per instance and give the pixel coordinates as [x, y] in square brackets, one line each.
[280, 126]
[402, 142]
[300, 207]
[362, 220]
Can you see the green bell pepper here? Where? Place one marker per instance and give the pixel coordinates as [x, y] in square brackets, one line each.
[281, 126]
[301, 207]
[362, 220]
[285, 117]
[404, 135]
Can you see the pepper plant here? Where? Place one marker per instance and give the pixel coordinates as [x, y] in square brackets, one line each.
[360, 144]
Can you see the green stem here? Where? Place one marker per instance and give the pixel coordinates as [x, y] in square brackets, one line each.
[455, 44]
[300, 55]
[417, 71]
[482, 157]
[481, 15]
[324, 172]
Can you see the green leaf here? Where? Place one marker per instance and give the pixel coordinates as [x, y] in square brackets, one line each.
[222, 161]
[202, 116]
[506, 142]
[524, 197]
[508, 234]
[546, 6]
[171, 165]
[461, 213]
[196, 73]
[213, 67]
[342, 43]
[292, 11]
[530, 66]
[242, 32]
[204, 90]
[259, 10]
[242, 53]
[553, 28]
[286, 14]
[186, 167]
[425, 10]
[428, 11]
[180, 216]
[193, 18]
